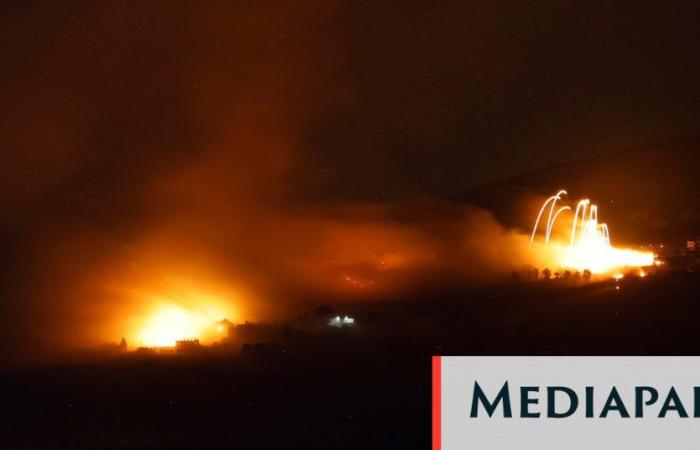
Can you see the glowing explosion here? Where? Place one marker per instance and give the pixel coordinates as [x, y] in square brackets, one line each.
[171, 323]
[589, 244]
[182, 315]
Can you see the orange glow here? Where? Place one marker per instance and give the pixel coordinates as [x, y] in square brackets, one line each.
[170, 323]
[161, 315]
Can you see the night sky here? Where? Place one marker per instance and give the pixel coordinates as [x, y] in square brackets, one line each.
[421, 98]
[121, 122]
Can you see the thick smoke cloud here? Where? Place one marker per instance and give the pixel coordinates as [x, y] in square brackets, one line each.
[164, 154]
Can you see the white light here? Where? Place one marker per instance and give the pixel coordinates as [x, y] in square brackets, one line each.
[337, 321]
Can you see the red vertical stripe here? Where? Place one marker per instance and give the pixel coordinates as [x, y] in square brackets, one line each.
[437, 380]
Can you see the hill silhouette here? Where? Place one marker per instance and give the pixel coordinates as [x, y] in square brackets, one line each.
[648, 193]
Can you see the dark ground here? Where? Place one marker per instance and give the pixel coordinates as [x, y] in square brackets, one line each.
[363, 388]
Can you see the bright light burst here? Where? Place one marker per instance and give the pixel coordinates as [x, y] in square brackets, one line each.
[589, 244]
[171, 323]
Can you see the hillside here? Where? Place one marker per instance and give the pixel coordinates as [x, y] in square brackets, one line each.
[649, 193]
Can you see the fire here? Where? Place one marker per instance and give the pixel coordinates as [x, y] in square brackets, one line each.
[167, 325]
[180, 310]
[589, 245]
[170, 323]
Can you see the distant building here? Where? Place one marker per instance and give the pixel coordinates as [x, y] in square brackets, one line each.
[145, 351]
[188, 346]
[223, 328]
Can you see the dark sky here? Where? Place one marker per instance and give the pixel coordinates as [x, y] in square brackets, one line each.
[145, 132]
[421, 97]
[461, 93]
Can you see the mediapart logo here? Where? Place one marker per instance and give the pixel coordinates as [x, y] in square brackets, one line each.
[566, 402]
[644, 396]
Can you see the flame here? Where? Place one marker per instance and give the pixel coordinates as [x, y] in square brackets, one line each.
[169, 323]
[182, 309]
[589, 245]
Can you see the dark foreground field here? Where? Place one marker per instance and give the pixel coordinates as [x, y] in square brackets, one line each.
[363, 388]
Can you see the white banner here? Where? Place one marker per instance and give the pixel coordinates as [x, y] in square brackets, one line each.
[566, 403]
